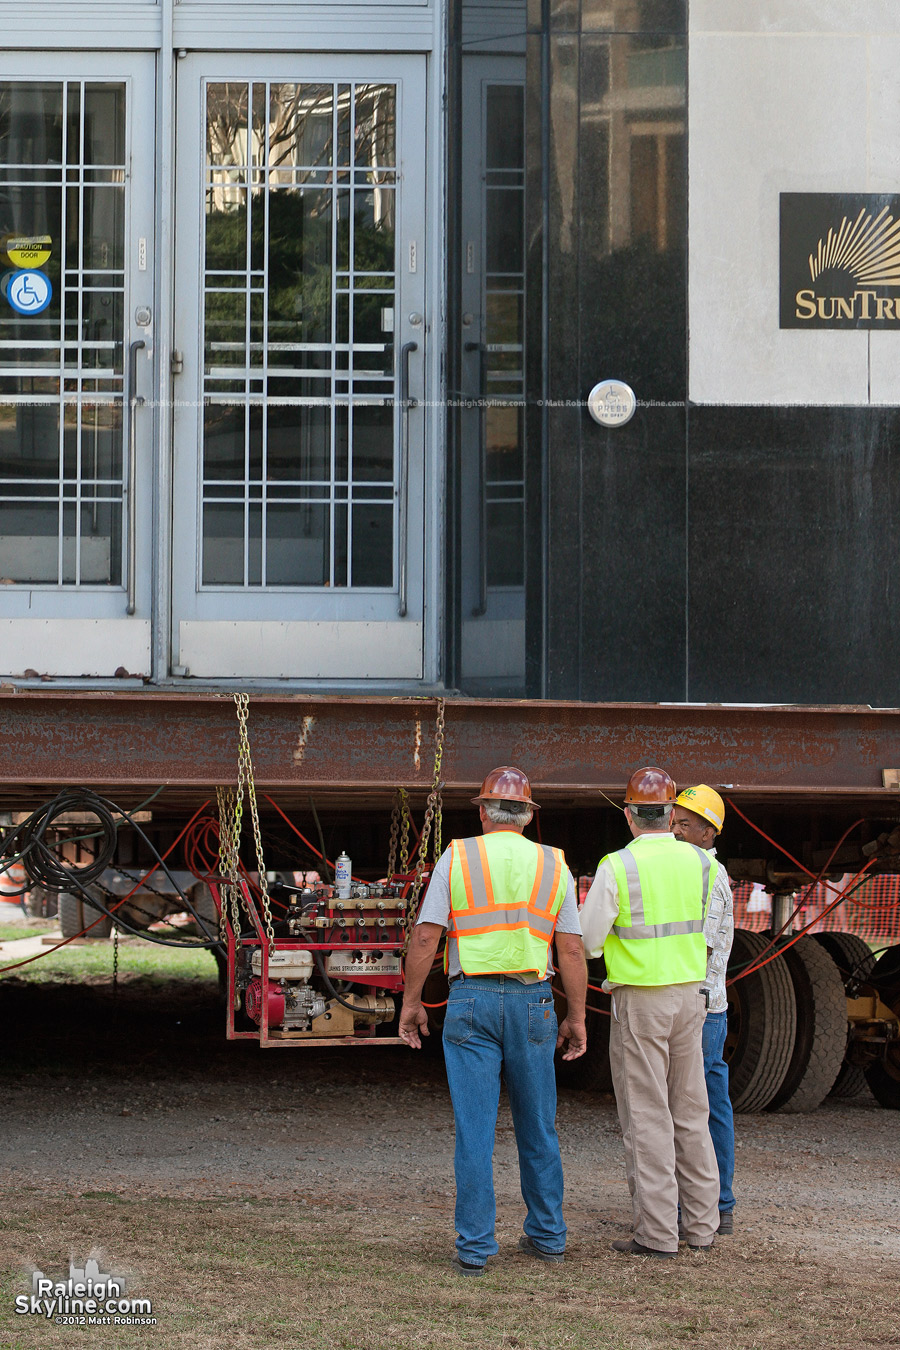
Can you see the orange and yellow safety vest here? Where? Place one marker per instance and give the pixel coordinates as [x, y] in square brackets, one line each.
[505, 897]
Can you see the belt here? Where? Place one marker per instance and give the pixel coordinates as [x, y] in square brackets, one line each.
[511, 978]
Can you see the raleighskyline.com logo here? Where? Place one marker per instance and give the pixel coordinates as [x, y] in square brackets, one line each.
[86, 1298]
[840, 260]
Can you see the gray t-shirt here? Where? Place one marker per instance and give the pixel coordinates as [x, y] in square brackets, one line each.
[436, 909]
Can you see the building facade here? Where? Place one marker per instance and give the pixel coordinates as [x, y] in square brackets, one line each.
[302, 305]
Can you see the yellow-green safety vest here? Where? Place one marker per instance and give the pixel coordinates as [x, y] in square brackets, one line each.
[505, 897]
[664, 887]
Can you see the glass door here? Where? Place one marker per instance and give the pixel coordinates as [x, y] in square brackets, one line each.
[299, 430]
[75, 240]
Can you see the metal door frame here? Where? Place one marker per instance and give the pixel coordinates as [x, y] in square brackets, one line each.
[382, 638]
[97, 629]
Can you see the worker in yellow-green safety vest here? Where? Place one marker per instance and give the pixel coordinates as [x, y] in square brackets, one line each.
[504, 901]
[644, 913]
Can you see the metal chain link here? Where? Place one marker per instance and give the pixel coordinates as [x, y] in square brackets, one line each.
[115, 936]
[231, 808]
[395, 834]
[228, 863]
[433, 810]
[242, 703]
[404, 830]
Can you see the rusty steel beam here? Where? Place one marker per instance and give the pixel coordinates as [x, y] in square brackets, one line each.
[362, 747]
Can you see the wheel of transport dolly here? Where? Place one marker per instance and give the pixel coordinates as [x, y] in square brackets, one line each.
[590, 1072]
[821, 1039]
[883, 1077]
[854, 960]
[42, 902]
[76, 913]
[762, 1020]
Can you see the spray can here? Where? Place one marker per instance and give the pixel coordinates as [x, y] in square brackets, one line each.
[342, 876]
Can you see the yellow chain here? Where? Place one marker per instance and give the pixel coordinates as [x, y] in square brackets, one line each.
[229, 832]
[404, 830]
[433, 810]
[242, 703]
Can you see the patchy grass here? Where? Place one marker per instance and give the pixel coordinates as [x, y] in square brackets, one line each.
[140, 959]
[250, 1273]
[12, 932]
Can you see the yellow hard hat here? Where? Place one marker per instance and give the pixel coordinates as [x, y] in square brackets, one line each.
[703, 801]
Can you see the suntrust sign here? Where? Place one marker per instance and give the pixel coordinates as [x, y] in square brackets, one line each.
[840, 260]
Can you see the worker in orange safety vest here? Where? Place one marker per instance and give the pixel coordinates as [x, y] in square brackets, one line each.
[503, 899]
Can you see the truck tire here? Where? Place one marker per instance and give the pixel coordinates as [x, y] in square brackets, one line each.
[854, 960]
[76, 913]
[821, 1039]
[883, 1077]
[41, 902]
[762, 1020]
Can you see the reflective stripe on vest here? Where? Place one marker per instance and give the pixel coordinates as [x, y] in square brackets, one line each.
[658, 939]
[494, 933]
[638, 929]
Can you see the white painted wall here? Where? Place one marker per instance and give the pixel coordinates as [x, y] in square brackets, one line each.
[784, 96]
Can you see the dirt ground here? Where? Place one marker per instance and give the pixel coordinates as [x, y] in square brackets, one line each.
[139, 1099]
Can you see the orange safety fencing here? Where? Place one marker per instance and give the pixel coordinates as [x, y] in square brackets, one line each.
[872, 912]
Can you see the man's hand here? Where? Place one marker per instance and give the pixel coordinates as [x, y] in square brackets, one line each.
[413, 1022]
[573, 1035]
[419, 959]
[573, 973]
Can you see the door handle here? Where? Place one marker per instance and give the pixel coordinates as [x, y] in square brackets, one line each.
[481, 349]
[406, 404]
[135, 400]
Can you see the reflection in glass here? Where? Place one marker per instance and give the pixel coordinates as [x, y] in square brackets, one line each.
[61, 461]
[300, 223]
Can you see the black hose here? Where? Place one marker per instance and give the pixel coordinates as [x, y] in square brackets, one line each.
[325, 864]
[44, 866]
[329, 986]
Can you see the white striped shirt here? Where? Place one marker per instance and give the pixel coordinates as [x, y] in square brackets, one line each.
[718, 930]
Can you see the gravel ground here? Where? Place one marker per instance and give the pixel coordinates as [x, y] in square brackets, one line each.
[142, 1096]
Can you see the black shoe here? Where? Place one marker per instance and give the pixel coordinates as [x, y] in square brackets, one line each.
[726, 1223]
[526, 1245]
[629, 1247]
[466, 1267]
[695, 1247]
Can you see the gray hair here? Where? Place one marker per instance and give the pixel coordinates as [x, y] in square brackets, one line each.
[650, 818]
[508, 813]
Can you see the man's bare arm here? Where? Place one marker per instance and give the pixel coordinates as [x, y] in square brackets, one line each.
[573, 973]
[419, 959]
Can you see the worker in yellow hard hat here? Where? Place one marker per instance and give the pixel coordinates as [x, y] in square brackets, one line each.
[697, 819]
[644, 912]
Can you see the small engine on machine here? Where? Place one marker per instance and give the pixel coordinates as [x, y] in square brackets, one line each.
[332, 966]
[324, 972]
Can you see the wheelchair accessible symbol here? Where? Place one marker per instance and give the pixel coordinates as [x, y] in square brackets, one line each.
[29, 292]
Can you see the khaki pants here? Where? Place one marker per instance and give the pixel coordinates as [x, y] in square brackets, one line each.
[656, 1057]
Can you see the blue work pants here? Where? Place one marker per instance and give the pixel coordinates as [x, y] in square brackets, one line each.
[494, 1023]
[721, 1116]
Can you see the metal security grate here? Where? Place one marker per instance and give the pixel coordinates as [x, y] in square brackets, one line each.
[298, 452]
[62, 216]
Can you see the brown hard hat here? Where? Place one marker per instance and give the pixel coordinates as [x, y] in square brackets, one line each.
[506, 785]
[649, 787]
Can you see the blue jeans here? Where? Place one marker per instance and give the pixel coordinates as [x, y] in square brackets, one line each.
[495, 1023]
[721, 1116]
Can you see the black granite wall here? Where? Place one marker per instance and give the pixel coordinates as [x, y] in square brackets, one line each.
[698, 553]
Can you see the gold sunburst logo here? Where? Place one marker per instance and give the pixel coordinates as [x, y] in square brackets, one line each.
[868, 249]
